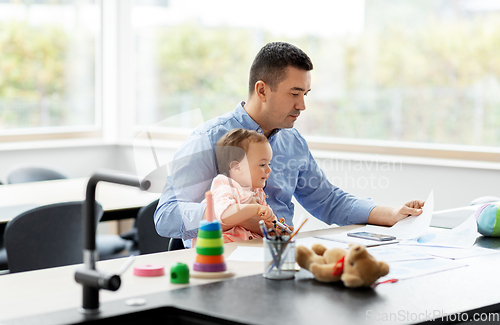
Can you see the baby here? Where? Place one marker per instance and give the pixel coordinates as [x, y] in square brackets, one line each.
[244, 159]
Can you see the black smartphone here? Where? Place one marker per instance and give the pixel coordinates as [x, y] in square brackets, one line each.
[370, 235]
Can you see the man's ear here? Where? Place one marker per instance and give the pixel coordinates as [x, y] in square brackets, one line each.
[261, 90]
[235, 166]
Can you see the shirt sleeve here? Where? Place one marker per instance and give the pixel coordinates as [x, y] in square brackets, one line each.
[180, 210]
[326, 201]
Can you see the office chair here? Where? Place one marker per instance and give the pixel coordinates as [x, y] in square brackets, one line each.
[26, 174]
[175, 244]
[3, 254]
[4, 265]
[46, 236]
[144, 232]
[109, 246]
[148, 239]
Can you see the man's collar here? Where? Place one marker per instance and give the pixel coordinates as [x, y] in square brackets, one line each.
[241, 115]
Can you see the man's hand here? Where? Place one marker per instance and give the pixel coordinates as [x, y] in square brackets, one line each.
[385, 216]
[412, 208]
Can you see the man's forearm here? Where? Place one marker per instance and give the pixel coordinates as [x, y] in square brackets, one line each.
[385, 216]
[175, 219]
[382, 216]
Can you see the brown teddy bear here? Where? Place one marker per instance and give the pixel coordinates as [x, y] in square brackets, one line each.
[354, 267]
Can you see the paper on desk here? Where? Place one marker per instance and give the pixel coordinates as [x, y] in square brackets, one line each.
[309, 241]
[452, 252]
[256, 254]
[462, 236]
[405, 270]
[247, 254]
[410, 227]
[396, 253]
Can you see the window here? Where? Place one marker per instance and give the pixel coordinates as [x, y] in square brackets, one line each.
[48, 67]
[413, 71]
[410, 73]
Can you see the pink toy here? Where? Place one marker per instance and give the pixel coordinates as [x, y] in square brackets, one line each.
[149, 270]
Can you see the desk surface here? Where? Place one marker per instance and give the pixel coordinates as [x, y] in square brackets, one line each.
[111, 196]
[248, 297]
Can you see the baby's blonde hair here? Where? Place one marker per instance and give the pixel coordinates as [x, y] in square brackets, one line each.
[233, 146]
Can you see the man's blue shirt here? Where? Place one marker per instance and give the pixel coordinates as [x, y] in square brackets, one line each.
[294, 172]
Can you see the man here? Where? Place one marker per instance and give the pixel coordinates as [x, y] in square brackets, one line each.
[279, 81]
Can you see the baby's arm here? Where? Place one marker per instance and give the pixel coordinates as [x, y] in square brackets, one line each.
[248, 216]
[231, 213]
[235, 214]
[252, 224]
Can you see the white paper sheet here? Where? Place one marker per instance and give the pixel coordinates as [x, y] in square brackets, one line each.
[396, 253]
[309, 241]
[410, 227]
[462, 236]
[452, 252]
[247, 254]
[411, 269]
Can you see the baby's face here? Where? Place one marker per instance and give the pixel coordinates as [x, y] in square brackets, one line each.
[259, 157]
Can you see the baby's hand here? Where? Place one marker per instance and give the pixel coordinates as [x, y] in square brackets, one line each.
[266, 214]
[254, 200]
[282, 220]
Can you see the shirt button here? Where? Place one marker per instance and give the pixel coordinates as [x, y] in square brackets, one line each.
[267, 196]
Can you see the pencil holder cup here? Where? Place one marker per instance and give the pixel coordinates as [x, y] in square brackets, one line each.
[279, 259]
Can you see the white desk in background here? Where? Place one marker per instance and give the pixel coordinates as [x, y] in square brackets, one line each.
[114, 198]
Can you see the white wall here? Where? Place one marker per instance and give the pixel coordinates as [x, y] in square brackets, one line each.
[391, 182]
[78, 161]
[396, 183]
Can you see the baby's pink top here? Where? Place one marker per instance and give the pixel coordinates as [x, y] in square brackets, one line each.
[227, 192]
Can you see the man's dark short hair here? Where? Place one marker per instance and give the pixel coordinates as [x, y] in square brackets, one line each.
[271, 62]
